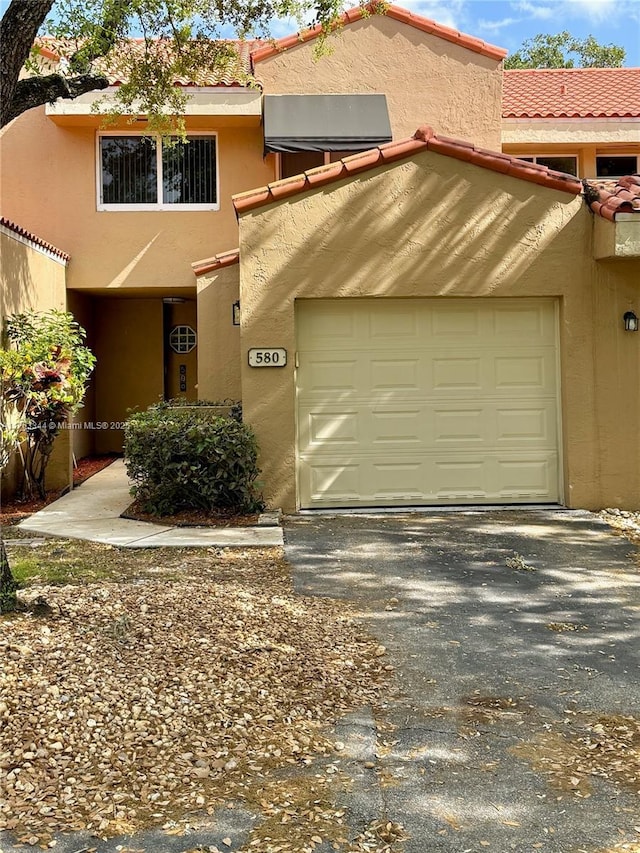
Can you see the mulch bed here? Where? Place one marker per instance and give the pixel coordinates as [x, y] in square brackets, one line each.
[14, 511]
[192, 517]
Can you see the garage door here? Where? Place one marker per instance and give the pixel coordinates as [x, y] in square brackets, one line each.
[427, 402]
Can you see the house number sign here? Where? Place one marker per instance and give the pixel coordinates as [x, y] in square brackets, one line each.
[267, 357]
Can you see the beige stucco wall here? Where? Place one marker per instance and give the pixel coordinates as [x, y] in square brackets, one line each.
[33, 280]
[128, 346]
[218, 338]
[181, 314]
[426, 80]
[619, 239]
[119, 250]
[122, 253]
[434, 226]
[83, 438]
[617, 382]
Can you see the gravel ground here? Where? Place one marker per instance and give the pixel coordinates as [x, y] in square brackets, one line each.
[623, 520]
[127, 705]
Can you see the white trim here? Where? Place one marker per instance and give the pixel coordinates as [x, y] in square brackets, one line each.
[562, 485]
[202, 101]
[158, 206]
[19, 238]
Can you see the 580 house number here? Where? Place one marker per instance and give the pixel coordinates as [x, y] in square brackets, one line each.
[267, 357]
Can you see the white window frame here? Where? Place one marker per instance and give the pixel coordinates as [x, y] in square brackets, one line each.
[534, 157]
[159, 205]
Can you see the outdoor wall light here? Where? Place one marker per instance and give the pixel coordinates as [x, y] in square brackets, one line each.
[630, 322]
[236, 313]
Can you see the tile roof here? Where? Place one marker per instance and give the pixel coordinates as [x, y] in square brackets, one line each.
[31, 238]
[424, 139]
[237, 73]
[426, 25]
[606, 198]
[571, 93]
[217, 262]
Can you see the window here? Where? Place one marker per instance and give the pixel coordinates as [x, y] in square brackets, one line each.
[616, 166]
[182, 339]
[148, 173]
[569, 165]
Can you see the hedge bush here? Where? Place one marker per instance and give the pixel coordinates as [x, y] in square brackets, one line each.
[183, 456]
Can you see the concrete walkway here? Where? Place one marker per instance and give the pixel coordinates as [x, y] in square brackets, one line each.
[92, 512]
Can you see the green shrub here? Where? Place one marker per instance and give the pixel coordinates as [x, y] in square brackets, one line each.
[188, 457]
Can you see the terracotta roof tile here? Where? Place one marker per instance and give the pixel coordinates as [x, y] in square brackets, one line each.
[606, 198]
[217, 262]
[31, 238]
[571, 93]
[397, 13]
[424, 139]
[237, 73]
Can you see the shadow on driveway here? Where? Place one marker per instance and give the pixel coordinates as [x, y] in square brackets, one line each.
[515, 639]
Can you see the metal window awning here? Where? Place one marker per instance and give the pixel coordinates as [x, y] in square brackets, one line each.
[325, 122]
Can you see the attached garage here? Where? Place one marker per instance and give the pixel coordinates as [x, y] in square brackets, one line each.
[427, 402]
[451, 339]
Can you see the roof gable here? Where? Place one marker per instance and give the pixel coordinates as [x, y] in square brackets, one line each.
[397, 13]
[424, 139]
[571, 93]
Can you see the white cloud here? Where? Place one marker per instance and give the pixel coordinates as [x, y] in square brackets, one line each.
[542, 13]
[494, 26]
[596, 11]
[449, 14]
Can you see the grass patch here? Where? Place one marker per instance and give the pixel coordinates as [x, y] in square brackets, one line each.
[58, 562]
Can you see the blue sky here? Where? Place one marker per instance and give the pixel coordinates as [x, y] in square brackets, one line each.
[508, 24]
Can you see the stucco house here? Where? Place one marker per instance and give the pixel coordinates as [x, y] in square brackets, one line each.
[408, 318]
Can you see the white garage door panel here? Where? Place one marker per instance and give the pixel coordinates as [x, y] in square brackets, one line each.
[350, 481]
[427, 402]
[437, 371]
[428, 428]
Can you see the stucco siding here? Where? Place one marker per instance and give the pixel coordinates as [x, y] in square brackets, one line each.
[218, 338]
[617, 382]
[432, 227]
[129, 349]
[119, 250]
[31, 280]
[427, 80]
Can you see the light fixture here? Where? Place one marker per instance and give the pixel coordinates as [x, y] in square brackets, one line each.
[235, 314]
[630, 322]
[173, 300]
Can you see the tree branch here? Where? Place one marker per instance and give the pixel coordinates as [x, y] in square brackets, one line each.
[36, 91]
[18, 29]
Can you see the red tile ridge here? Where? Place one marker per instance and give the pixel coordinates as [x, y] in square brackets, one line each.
[423, 139]
[217, 262]
[31, 238]
[606, 198]
[397, 13]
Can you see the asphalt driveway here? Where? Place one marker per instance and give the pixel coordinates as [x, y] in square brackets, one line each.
[515, 636]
